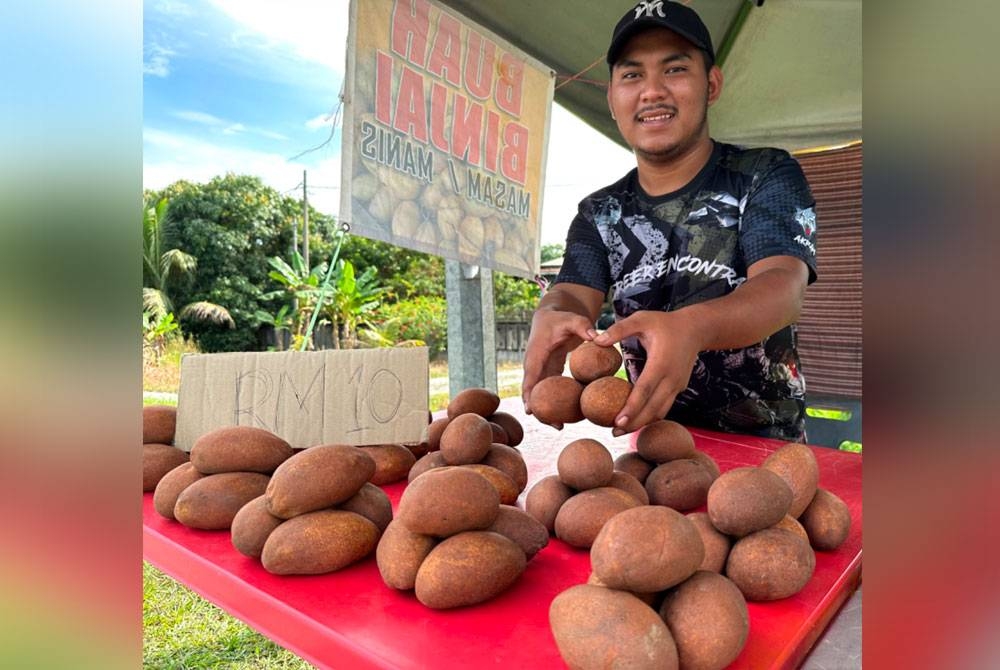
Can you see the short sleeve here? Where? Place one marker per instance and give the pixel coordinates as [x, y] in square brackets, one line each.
[779, 218]
[586, 259]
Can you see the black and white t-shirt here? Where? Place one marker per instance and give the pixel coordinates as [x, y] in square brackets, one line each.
[695, 244]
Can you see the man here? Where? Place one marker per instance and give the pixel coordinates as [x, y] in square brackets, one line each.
[706, 249]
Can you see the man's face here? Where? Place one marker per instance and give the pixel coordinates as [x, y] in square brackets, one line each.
[660, 93]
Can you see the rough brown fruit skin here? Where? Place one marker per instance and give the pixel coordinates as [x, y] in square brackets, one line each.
[170, 487]
[581, 517]
[646, 549]
[505, 486]
[708, 462]
[603, 398]
[682, 484]
[372, 503]
[770, 564]
[158, 460]
[510, 425]
[158, 424]
[239, 449]
[545, 498]
[523, 529]
[392, 462]
[585, 464]
[556, 400]
[467, 439]
[630, 485]
[509, 461]
[446, 501]
[747, 499]
[468, 568]
[434, 459]
[318, 542]
[400, 553]
[251, 527]
[635, 465]
[789, 523]
[663, 441]
[716, 544]
[589, 362]
[796, 464]
[211, 502]
[434, 431]
[499, 434]
[475, 401]
[597, 627]
[319, 477]
[827, 520]
[708, 617]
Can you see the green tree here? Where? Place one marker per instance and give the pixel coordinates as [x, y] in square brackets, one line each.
[353, 302]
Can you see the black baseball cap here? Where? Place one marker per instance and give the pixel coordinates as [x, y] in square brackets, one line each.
[661, 14]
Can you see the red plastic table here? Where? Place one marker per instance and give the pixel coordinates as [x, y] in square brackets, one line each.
[351, 619]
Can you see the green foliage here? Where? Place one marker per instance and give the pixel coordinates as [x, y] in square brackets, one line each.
[419, 319]
[513, 295]
[552, 251]
[353, 302]
[158, 329]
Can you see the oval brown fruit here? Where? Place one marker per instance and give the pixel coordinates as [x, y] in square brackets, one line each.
[796, 464]
[251, 527]
[545, 498]
[590, 361]
[827, 520]
[716, 544]
[159, 422]
[681, 484]
[525, 530]
[747, 499]
[468, 568]
[663, 441]
[635, 465]
[585, 464]
[392, 462]
[709, 619]
[581, 517]
[770, 564]
[509, 461]
[510, 425]
[372, 503]
[318, 542]
[466, 439]
[630, 485]
[446, 501]
[158, 460]
[434, 431]
[400, 553]
[211, 502]
[239, 449]
[319, 477]
[602, 400]
[501, 481]
[473, 401]
[170, 487]
[597, 627]
[426, 462]
[556, 400]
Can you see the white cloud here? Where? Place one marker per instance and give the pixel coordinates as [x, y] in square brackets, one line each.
[174, 8]
[202, 118]
[321, 121]
[157, 60]
[233, 129]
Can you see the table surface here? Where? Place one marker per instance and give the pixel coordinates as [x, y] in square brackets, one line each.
[350, 618]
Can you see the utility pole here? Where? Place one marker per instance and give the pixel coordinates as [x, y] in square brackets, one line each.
[305, 221]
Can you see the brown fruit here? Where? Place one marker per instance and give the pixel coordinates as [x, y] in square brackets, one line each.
[211, 502]
[556, 400]
[716, 544]
[545, 498]
[466, 439]
[505, 486]
[158, 424]
[251, 527]
[681, 484]
[509, 461]
[239, 449]
[708, 617]
[510, 425]
[468, 568]
[446, 501]
[602, 400]
[630, 485]
[635, 465]
[597, 627]
[317, 542]
[158, 460]
[435, 459]
[747, 499]
[400, 553]
[663, 441]
[475, 401]
[499, 434]
[434, 431]
[590, 361]
[581, 517]
[646, 549]
[372, 503]
[827, 521]
[789, 523]
[796, 464]
[770, 564]
[392, 462]
[708, 462]
[170, 487]
[585, 464]
[319, 477]
[525, 530]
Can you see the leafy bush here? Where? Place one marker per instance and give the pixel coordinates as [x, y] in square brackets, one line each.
[423, 318]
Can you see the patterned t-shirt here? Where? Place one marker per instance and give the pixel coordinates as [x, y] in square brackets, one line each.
[695, 244]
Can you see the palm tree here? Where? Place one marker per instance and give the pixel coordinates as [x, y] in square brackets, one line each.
[163, 264]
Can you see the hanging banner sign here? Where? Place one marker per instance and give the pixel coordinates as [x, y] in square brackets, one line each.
[445, 136]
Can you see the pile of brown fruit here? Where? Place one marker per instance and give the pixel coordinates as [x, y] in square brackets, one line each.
[159, 456]
[593, 392]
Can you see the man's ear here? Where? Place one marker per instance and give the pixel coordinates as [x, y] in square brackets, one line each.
[608, 98]
[714, 84]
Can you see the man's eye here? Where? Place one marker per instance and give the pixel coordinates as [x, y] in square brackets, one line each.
[630, 75]
[676, 69]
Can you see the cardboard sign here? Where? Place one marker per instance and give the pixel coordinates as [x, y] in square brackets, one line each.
[357, 396]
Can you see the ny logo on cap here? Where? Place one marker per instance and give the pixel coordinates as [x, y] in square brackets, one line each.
[648, 7]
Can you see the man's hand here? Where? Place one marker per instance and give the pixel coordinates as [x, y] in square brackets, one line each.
[672, 344]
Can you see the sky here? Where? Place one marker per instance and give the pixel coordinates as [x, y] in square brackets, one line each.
[252, 87]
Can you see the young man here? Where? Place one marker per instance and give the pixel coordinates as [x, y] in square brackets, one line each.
[706, 249]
